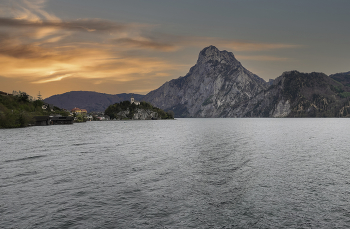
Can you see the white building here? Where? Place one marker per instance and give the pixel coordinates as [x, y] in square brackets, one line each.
[132, 100]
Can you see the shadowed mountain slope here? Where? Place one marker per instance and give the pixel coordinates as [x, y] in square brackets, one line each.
[343, 78]
[296, 94]
[89, 100]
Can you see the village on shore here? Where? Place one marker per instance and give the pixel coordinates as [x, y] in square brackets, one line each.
[20, 110]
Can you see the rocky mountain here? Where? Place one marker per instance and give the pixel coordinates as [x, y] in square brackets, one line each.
[89, 100]
[214, 87]
[219, 86]
[296, 94]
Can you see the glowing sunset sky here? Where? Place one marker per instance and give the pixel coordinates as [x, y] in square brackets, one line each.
[134, 46]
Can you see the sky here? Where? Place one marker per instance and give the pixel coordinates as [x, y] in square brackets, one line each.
[135, 46]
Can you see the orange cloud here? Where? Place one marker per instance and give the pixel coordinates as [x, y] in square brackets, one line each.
[55, 78]
[84, 25]
[45, 65]
[146, 44]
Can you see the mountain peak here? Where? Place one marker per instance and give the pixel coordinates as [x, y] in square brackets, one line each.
[214, 87]
[211, 53]
[210, 50]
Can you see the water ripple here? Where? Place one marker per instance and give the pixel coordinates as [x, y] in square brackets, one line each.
[185, 173]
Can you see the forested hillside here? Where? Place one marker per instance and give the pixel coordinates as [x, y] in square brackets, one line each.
[19, 110]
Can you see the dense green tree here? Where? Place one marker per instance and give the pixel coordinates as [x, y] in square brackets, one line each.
[18, 110]
[23, 97]
[171, 114]
[80, 118]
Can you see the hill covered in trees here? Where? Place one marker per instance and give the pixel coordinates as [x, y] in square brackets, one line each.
[144, 111]
[19, 110]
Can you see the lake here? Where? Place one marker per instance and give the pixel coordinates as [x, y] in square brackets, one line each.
[184, 173]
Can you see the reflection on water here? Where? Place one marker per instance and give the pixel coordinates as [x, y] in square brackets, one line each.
[185, 173]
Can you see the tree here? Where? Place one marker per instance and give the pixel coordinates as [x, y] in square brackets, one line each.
[80, 118]
[38, 103]
[171, 114]
[23, 97]
[39, 96]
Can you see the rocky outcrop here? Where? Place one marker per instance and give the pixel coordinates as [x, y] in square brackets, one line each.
[282, 109]
[142, 111]
[141, 114]
[214, 87]
[137, 114]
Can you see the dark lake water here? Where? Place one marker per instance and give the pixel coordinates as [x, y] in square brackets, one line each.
[184, 173]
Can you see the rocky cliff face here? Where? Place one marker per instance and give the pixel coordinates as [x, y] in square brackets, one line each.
[138, 114]
[214, 87]
[296, 94]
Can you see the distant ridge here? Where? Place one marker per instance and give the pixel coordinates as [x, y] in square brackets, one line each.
[343, 78]
[89, 100]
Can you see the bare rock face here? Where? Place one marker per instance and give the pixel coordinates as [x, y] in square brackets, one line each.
[282, 109]
[296, 94]
[142, 114]
[217, 86]
[139, 114]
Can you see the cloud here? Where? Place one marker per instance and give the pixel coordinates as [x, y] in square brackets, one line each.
[22, 51]
[26, 9]
[43, 66]
[146, 44]
[262, 58]
[52, 79]
[231, 44]
[130, 69]
[12, 47]
[252, 46]
[84, 25]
